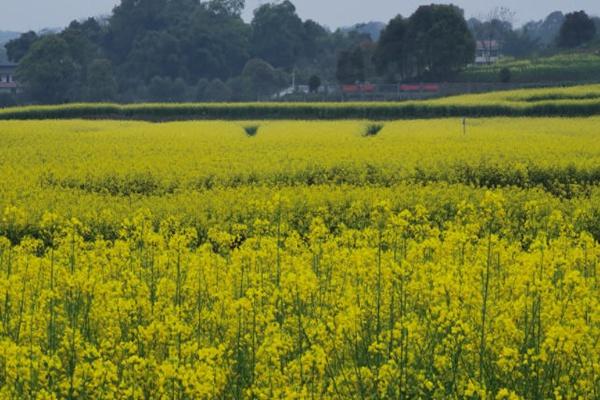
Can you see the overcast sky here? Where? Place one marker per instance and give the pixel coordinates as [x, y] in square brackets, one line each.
[22, 15]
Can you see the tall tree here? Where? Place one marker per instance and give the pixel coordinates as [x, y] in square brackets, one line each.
[547, 30]
[316, 41]
[132, 19]
[390, 53]
[262, 77]
[215, 45]
[351, 66]
[577, 29]
[277, 34]
[17, 48]
[156, 53]
[101, 83]
[520, 44]
[439, 40]
[48, 71]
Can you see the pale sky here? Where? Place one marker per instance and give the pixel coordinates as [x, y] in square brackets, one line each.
[22, 15]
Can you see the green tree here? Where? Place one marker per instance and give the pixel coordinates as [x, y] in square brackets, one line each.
[316, 41]
[351, 66]
[520, 44]
[217, 91]
[16, 49]
[390, 53]
[7, 100]
[166, 89]
[81, 49]
[439, 41]
[314, 83]
[263, 78]
[577, 29]
[133, 19]
[278, 34]
[48, 71]
[101, 83]
[505, 75]
[215, 45]
[156, 53]
[200, 88]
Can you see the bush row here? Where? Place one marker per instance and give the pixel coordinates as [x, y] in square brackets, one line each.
[246, 111]
[565, 182]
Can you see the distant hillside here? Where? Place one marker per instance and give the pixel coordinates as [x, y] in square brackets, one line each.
[372, 28]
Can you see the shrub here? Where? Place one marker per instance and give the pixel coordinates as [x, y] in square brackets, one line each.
[314, 83]
[251, 130]
[373, 129]
[505, 75]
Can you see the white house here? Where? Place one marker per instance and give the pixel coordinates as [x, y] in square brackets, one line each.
[7, 79]
[488, 51]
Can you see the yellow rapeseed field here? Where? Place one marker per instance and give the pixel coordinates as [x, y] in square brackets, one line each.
[189, 260]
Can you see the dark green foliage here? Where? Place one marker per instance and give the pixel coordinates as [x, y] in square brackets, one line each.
[251, 130]
[505, 75]
[200, 88]
[167, 89]
[7, 100]
[48, 71]
[17, 48]
[192, 41]
[372, 130]
[154, 54]
[277, 34]
[495, 28]
[218, 91]
[577, 29]
[439, 41]
[390, 55]
[262, 78]
[314, 83]
[520, 44]
[434, 43]
[351, 66]
[101, 83]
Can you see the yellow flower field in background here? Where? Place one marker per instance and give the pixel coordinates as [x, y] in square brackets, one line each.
[189, 260]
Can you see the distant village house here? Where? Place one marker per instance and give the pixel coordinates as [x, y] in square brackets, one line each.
[8, 84]
[488, 52]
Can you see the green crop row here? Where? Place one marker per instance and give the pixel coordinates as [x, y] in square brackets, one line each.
[559, 68]
[576, 101]
[313, 111]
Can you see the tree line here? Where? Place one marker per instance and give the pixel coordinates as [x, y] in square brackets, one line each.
[192, 50]
[163, 50]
